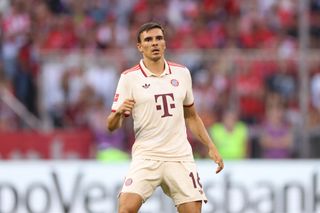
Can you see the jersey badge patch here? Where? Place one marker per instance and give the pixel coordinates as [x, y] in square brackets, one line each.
[174, 82]
[116, 97]
[128, 182]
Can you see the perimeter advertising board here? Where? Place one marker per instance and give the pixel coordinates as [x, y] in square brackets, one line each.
[58, 144]
[92, 187]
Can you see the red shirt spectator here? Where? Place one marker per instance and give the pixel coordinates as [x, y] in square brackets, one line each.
[250, 88]
[61, 36]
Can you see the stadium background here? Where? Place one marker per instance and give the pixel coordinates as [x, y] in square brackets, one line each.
[59, 65]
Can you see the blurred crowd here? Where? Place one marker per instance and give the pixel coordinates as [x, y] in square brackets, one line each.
[61, 59]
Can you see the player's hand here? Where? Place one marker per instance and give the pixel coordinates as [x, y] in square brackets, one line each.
[220, 166]
[126, 107]
[215, 156]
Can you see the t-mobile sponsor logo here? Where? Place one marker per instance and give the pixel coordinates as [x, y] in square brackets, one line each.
[165, 103]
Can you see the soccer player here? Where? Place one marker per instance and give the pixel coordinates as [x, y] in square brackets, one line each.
[158, 95]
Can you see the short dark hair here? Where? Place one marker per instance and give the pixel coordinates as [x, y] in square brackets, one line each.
[148, 26]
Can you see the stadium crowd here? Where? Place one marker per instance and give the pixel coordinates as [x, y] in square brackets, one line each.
[61, 59]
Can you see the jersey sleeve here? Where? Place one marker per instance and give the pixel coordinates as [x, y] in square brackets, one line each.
[189, 99]
[122, 93]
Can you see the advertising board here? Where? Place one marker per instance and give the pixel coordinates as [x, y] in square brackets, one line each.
[251, 186]
[59, 144]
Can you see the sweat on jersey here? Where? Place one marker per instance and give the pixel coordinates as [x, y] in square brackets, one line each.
[159, 125]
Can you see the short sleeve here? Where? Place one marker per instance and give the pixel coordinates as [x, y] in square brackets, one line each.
[189, 99]
[122, 93]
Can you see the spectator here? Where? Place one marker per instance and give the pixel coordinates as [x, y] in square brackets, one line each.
[102, 78]
[53, 94]
[250, 91]
[61, 34]
[315, 90]
[15, 27]
[282, 83]
[110, 146]
[8, 119]
[25, 81]
[231, 136]
[276, 138]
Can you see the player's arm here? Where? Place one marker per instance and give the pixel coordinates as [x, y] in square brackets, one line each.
[198, 129]
[115, 119]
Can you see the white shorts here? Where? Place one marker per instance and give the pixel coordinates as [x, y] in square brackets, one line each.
[179, 180]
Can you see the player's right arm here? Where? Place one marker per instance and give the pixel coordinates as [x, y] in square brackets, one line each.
[115, 119]
[122, 104]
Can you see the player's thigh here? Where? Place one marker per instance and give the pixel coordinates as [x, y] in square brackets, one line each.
[129, 202]
[182, 183]
[190, 207]
[142, 178]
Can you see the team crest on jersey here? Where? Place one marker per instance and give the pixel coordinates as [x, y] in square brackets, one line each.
[174, 82]
[128, 182]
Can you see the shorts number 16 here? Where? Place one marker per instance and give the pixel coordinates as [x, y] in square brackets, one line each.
[194, 181]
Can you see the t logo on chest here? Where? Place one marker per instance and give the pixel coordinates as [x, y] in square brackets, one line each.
[165, 103]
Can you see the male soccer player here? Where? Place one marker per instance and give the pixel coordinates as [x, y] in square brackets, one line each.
[158, 95]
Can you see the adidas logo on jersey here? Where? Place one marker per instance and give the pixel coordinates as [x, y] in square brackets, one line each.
[146, 86]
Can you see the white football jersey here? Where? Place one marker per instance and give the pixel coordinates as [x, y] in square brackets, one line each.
[159, 125]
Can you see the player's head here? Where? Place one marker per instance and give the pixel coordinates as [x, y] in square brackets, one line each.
[151, 43]
[146, 27]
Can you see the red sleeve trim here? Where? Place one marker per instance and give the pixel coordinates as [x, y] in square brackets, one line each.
[190, 105]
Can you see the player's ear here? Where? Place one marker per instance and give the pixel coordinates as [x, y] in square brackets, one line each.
[139, 47]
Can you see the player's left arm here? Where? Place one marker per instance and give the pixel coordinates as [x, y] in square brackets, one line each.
[198, 129]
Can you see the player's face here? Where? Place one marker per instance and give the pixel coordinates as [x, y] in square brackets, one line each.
[152, 44]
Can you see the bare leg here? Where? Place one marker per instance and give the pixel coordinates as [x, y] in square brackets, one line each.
[129, 203]
[190, 207]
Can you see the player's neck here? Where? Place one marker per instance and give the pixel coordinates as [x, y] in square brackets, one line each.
[156, 67]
